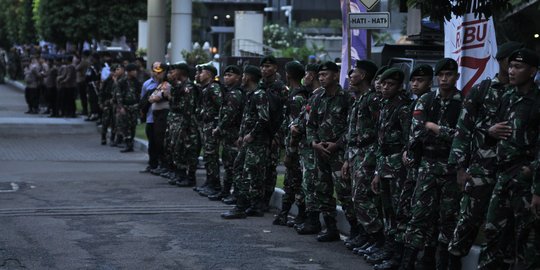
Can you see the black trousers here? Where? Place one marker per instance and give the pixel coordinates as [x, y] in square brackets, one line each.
[160, 126]
[31, 95]
[81, 86]
[67, 101]
[91, 90]
[52, 100]
[152, 154]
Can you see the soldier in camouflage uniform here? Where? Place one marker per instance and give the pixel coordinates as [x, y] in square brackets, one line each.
[309, 224]
[514, 207]
[437, 194]
[293, 174]
[230, 117]
[272, 83]
[255, 142]
[127, 98]
[106, 102]
[326, 131]
[393, 130]
[182, 129]
[377, 85]
[211, 101]
[360, 157]
[472, 155]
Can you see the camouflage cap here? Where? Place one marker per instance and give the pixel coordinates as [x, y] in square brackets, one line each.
[526, 56]
[446, 64]
[507, 48]
[328, 65]
[233, 69]
[422, 70]
[269, 59]
[367, 66]
[394, 74]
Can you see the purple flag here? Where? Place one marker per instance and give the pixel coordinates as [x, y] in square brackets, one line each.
[357, 47]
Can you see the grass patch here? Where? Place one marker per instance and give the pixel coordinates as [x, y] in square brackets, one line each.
[280, 179]
[140, 131]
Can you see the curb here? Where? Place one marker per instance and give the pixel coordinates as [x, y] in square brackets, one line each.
[15, 84]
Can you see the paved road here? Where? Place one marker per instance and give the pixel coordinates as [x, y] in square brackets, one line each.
[67, 202]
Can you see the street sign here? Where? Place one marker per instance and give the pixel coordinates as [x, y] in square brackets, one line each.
[369, 4]
[369, 20]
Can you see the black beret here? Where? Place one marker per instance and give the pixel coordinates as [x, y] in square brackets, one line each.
[295, 69]
[380, 71]
[269, 59]
[394, 74]
[422, 70]
[446, 64]
[507, 48]
[253, 70]
[312, 67]
[198, 67]
[181, 66]
[210, 68]
[131, 67]
[233, 69]
[367, 66]
[526, 56]
[329, 65]
[115, 66]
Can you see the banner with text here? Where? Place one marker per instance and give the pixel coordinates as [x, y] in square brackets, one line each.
[358, 48]
[471, 41]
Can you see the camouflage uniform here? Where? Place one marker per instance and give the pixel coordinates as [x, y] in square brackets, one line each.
[393, 131]
[471, 152]
[127, 97]
[252, 156]
[230, 117]
[293, 174]
[106, 97]
[183, 135]
[210, 106]
[328, 123]
[436, 194]
[362, 142]
[517, 179]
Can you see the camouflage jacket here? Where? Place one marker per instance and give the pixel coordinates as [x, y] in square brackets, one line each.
[392, 134]
[301, 121]
[435, 149]
[183, 102]
[470, 150]
[362, 131]
[230, 114]
[328, 118]
[128, 92]
[255, 115]
[211, 100]
[106, 92]
[295, 104]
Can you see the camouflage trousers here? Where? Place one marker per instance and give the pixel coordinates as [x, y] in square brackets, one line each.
[211, 155]
[472, 214]
[293, 178]
[509, 213]
[107, 120]
[173, 127]
[186, 143]
[367, 204]
[309, 177]
[228, 156]
[404, 206]
[274, 153]
[251, 162]
[389, 195]
[329, 178]
[127, 123]
[436, 203]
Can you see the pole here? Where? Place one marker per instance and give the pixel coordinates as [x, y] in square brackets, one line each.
[156, 32]
[181, 13]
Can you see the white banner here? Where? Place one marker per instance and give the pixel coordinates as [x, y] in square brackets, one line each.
[471, 42]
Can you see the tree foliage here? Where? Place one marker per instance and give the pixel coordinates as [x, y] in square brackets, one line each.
[16, 24]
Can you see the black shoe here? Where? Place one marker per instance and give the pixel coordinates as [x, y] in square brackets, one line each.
[231, 199]
[127, 150]
[185, 183]
[328, 235]
[157, 171]
[386, 265]
[148, 169]
[172, 181]
[209, 191]
[311, 226]
[370, 249]
[218, 196]
[356, 242]
[235, 213]
[103, 142]
[379, 257]
[281, 218]
[255, 210]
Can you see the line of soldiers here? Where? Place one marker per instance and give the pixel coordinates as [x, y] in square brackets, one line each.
[412, 176]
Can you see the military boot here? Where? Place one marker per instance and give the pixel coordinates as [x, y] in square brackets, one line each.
[238, 211]
[103, 138]
[384, 254]
[187, 181]
[408, 259]
[225, 191]
[256, 209]
[281, 217]
[231, 199]
[374, 245]
[394, 262]
[359, 240]
[300, 217]
[331, 233]
[312, 224]
[179, 176]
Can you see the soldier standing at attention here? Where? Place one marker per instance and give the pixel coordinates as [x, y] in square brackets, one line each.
[326, 130]
[437, 194]
[360, 158]
[80, 68]
[211, 101]
[393, 131]
[254, 142]
[309, 224]
[377, 85]
[515, 204]
[230, 117]
[293, 175]
[474, 156]
[127, 98]
[106, 102]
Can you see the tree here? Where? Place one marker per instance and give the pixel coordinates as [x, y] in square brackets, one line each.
[16, 22]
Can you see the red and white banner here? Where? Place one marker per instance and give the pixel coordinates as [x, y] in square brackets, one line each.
[471, 42]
